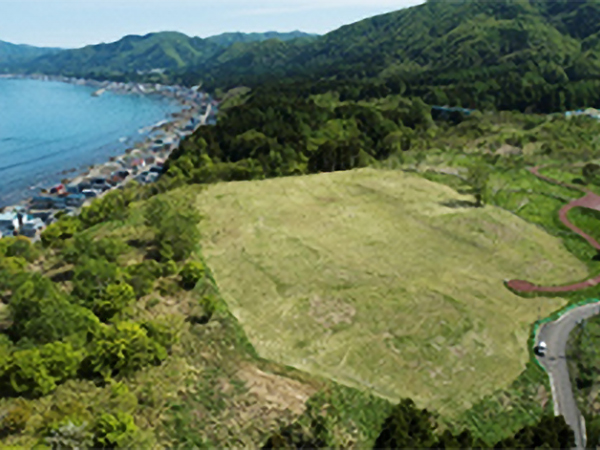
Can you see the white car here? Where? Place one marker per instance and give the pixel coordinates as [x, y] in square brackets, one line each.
[541, 348]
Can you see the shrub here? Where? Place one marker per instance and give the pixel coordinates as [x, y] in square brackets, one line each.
[39, 370]
[174, 226]
[41, 313]
[19, 246]
[122, 349]
[115, 299]
[65, 228]
[169, 267]
[69, 435]
[114, 431]
[12, 272]
[163, 331]
[191, 273]
[82, 246]
[142, 276]
[16, 418]
[92, 277]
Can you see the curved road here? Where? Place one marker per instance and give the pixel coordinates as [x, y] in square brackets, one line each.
[591, 201]
[556, 334]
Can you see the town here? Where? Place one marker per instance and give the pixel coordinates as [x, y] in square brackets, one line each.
[142, 163]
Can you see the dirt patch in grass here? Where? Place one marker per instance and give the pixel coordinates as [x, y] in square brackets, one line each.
[274, 391]
[329, 312]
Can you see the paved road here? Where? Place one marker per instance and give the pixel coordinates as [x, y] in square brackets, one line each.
[556, 334]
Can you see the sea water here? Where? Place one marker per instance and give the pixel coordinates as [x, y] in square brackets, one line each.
[52, 130]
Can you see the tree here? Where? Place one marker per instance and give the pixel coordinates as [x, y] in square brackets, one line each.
[84, 246]
[91, 277]
[478, 175]
[39, 370]
[122, 349]
[191, 273]
[42, 314]
[549, 432]
[591, 173]
[141, 276]
[114, 431]
[19, 246]
[64, 228]
[115, 299]
[175, 227]
[407, 427]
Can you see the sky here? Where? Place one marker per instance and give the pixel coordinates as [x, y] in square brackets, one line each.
[75, 23]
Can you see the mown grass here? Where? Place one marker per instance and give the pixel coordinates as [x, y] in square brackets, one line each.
[381, 280]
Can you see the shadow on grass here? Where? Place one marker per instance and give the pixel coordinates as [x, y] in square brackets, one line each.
[459, 204]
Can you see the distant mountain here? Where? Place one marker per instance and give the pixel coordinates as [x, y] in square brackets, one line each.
[170, 51]
[15, 53]
[166, 50]
[228, 39]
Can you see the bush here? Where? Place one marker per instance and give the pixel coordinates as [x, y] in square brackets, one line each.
[41, 313]
[122, 349]
[58, 232]
[114, 431]
[16, 418]
[175, 228]
[12, 272]
[69, 435]
[83, 246]
[39, 370]
[19, 246]
[163, 331]
[91, 278]
[115, 299]
[142, 276]
[169, 267]
[191, 273]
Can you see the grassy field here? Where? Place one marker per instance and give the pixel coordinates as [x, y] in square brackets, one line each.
[381, 279]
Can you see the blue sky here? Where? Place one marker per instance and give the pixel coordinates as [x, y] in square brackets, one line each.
[75, 23]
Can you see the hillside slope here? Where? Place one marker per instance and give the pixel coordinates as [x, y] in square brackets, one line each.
[165, 50]
[411, 304]
[15, 53]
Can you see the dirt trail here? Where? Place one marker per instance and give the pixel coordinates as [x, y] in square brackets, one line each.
[591, 201]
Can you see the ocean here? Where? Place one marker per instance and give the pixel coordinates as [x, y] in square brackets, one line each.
[52, 130]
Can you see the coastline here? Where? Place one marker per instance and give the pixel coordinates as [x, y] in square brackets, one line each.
[160, 139]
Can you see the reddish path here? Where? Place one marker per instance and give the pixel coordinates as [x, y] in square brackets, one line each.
[590, 201]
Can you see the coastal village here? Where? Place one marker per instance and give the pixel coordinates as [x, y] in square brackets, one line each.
[142, 163]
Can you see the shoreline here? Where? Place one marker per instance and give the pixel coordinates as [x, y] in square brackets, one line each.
[142, 160]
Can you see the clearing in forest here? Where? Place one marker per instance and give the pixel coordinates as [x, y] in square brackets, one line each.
[381, 279]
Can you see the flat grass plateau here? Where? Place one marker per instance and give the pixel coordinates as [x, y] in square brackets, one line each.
[382, 280]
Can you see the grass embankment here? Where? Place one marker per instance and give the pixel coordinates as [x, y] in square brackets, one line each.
[382, 280]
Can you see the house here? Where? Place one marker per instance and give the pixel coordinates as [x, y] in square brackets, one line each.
[58, 189]
[42, 202]
[73, 189]
[75, 200]
[32, 227]
[59, 203]
[9, 222]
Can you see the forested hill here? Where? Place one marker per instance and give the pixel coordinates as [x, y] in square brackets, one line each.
[506, 54]
[14, 53]
[447, 52]
[227, 39]
[132, 55]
